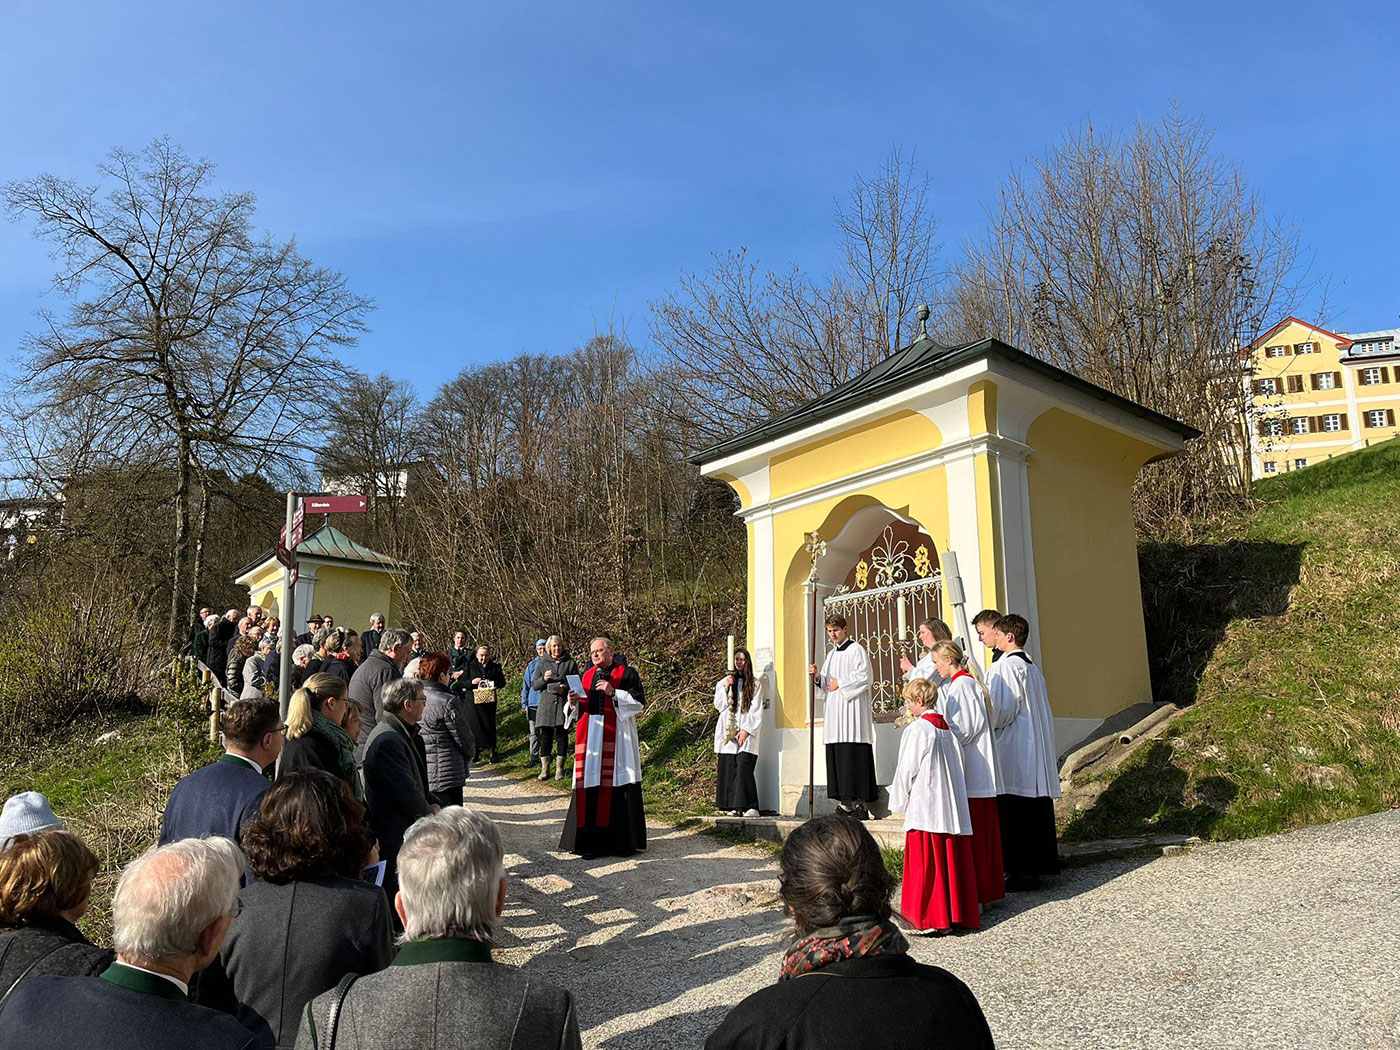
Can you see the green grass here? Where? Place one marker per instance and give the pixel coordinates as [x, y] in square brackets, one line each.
[112, 793]
[1283, 630]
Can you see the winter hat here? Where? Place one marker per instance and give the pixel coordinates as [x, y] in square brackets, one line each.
[25, 814]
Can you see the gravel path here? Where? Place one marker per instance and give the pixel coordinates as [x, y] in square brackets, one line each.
[1288, 941]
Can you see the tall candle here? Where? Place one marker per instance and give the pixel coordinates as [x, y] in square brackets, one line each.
[730, 665]
[903, 623]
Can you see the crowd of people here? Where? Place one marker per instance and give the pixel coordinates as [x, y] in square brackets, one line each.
[281, 941]
[323, 884]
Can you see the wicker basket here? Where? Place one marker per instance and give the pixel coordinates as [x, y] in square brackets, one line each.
[484, 694]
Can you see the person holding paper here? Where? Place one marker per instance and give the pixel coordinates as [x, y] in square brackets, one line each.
[556, 675]
[605, 812]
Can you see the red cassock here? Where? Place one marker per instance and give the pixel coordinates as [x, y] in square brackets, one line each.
[940, 875]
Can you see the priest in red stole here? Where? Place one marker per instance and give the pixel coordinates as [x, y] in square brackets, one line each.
[606, 818]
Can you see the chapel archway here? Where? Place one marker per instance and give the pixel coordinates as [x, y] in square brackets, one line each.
[880, 563]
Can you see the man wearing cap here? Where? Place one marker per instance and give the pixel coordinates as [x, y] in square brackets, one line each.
[27, 813]
[530, 700]
[313, 624]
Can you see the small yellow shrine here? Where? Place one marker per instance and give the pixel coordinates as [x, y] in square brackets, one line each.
[943, 480]
[336, 575]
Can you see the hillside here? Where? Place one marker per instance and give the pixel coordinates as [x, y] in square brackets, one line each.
[1280, 632]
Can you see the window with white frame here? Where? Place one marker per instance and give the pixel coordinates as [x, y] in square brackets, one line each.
[1275, 351]
[1273, 428]
[1326, 381]
[1375, 418]
[1299, 464]
[1270, 467]
[1307, 348]
[1370, 377]
[1268, 386]
[1332, 423]
[1299, 424]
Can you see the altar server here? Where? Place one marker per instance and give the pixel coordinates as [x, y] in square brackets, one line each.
[1025, 736]
[929, 633]
[848, 729]
[940, 873]
[964, 703]
[739, 701]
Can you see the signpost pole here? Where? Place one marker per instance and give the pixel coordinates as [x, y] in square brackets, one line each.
[289, 626]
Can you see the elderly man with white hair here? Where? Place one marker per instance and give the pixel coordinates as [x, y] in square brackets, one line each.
[172, 907]
[443, 991]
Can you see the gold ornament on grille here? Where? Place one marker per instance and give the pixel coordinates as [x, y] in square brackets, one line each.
[923, 565]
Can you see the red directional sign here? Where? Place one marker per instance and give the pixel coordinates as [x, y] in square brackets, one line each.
[298, 516]
[294, 573]
[334, 504]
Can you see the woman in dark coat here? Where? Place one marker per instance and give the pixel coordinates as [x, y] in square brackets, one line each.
[238, 656]
[46, 887]
[446, 732]
[859, 985]
[315, 739]
[551, 680]
[307, 919]
[342, 654]
[483, 671]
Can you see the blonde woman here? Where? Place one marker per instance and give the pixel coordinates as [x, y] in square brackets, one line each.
[964, 703]
[315, 736]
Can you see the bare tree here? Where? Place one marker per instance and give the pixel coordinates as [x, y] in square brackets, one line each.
[187, 338]
[372, 438]
[737, 343]
[1145, 264]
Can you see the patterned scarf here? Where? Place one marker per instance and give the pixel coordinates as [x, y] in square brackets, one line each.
[337, 736]
[859, 937]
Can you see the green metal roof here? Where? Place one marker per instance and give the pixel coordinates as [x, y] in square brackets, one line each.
[330, 544]
[921, 360]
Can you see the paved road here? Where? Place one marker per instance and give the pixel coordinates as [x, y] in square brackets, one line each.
[1282, 942]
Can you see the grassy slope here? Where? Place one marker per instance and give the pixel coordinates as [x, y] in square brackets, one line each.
[1296, 719]
[112, 794]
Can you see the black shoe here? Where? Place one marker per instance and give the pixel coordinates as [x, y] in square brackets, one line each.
[860, 812]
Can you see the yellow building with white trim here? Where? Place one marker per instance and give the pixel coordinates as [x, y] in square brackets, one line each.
[1316, 394]
[336, 576]
[1020, 470]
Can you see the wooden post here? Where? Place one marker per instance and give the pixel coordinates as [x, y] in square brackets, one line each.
[215, 700]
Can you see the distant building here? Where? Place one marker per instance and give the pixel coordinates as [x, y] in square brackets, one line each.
[1316, 394]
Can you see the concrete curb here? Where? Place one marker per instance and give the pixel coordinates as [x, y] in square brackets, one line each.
[890, 834]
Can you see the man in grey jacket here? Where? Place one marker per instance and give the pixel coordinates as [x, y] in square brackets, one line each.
[443, 991]
[367, 684]
[396, 773]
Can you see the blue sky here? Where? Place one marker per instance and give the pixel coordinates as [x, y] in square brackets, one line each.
[501, 178]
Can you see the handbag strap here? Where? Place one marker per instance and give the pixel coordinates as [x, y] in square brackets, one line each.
[24, 973]
[337, 1001]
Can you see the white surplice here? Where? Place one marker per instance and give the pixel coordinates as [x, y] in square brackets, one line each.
[1025, 727]
[744, 723]
[924, 669]
[847, 718]
[627, 752]
[928, 786]
[962, 703]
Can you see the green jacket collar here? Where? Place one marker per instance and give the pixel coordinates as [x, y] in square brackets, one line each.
[140, 981]
[237, 760]
[442, 949]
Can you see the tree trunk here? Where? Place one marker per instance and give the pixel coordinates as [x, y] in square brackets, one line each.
[201, 534]
[182, 535]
